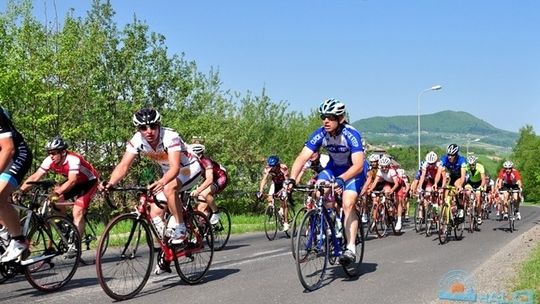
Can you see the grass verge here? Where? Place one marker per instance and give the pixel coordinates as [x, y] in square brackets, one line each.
[529, 274]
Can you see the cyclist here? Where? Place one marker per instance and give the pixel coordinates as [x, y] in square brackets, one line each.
[81, 183]
[509, 178]
[476, 179]
[181, 169]
[370, 178]
[346, 169]
[316, 163]
[453, 164]
[15, 161]
[392, 184]
[278, 172]
[428, 173]
[215, 180]
[405, 192]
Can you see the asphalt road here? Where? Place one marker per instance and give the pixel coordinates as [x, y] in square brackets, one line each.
[396, 269]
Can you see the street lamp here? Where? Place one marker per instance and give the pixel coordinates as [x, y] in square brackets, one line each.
[433, 88]
[469, 140]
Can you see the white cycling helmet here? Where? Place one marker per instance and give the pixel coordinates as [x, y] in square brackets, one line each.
[384, 161]
[198, 149]
[508, 164]
[472, 160]
[431, 157]
[374, 157]
[400, 172]
[332, 106]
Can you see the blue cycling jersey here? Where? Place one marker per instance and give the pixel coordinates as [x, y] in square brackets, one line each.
[339, 147]
[454, 168]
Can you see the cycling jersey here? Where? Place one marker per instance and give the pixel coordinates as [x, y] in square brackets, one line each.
[339, 147]
[22, 159]
[474, 176]
[509, 178]
[431, 171]
[454, 169]
[73, 163]
[169, 140]
[277, 173]
[219, 174]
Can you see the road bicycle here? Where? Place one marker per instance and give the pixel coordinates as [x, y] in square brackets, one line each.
[127, 247]
[448, 217]
[222, 229]
[274, 218]
[512, 202]
[319, 241]
[383, 215]
[54, 244]
[472, 216]
[431, 216]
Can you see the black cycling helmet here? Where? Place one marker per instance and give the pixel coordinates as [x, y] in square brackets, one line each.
[146, 116]
[452, 149]
[56, 143]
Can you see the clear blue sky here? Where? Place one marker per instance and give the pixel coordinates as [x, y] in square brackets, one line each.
[374, 55]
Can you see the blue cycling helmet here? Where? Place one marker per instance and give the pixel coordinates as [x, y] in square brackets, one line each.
[273, 160]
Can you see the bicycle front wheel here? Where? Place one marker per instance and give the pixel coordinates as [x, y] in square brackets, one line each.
[312, 250]
[444, 220]
[295, 224]
[270, 216]
[222, 230]
[418, 211]
[55, 248]
[194, 257]
[124, 256]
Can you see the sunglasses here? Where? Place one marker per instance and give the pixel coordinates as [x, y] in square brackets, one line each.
[451, 155]
[152, 126]
[330, 117]
[54, 152]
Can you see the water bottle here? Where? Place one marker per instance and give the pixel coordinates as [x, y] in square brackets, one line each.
[339, 227]
[159, 225]
[4, 235]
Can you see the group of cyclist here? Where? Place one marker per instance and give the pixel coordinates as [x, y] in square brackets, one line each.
[182, 166]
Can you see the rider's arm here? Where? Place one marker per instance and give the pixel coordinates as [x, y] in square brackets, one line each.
[299, 162]
[208, 180]
[7, 150]
[32, 178]
[121, 170]
[421, 180]
[68, 184]
[263, 181]
[461, 179]
[171, 174]
[396, 183]
[374, 183]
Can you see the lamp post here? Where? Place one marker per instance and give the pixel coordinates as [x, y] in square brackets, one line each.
[433, 88]
[469, 140]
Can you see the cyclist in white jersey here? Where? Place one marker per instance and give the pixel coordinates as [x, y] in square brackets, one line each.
[181, 169]
[347, 167]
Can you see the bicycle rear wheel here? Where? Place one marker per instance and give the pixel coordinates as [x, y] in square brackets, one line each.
[312, 250]
[380, 224]
[55, 248]
[428, 220]
[353, 269]
[222, 230]
[290, 217]
[194, 258]
[126, 256]
[270, 216]
[297, 218]
[511, 216]
[417, 218]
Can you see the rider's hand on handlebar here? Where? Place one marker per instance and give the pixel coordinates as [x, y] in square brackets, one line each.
[104, 186]
[16, 196]
[194, 193]
[259, 195]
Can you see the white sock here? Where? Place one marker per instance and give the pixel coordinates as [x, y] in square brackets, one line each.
[180, 227]
[351, 248]
[399, 219]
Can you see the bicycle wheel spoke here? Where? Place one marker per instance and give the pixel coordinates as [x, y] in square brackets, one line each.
[222, 230]
[311, 250]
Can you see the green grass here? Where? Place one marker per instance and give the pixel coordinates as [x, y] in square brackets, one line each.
[246, 223]
[529, 274]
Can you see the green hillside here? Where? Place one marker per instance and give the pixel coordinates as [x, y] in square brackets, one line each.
[436, 129]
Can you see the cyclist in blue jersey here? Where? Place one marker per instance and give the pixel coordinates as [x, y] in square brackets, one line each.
[346, 168]
[455, 165]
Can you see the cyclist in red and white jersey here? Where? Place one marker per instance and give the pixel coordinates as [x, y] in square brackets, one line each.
[509, 178]
[278, 172]
[215, 180]
[181, 169]
[429, 171]
[81, 183]
[404, 192]
[392, 184]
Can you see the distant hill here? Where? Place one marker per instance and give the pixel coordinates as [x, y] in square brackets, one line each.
[438, 129]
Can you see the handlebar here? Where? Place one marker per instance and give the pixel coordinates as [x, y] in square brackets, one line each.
[141, 189]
